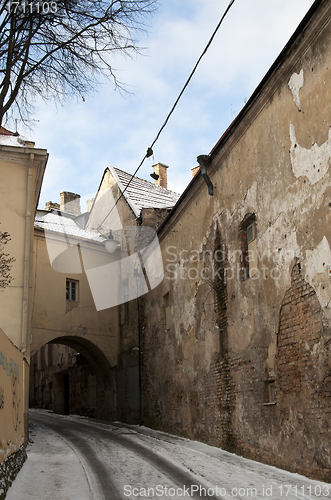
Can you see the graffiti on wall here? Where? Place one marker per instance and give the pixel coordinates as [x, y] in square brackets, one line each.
[12, 370]
[9, 366]
[16, 400]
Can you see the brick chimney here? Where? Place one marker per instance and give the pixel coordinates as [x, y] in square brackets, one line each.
[70, 203]
[195, 170]
[89, 204]
[52, 206]
[161, 170]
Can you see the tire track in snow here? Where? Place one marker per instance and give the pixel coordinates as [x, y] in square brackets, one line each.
[101, 475]
[69, 429]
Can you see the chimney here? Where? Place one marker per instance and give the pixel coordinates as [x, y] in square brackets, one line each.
[89, 204]
[70, 203]
[161, 170]
[195, 170]
[52, 206]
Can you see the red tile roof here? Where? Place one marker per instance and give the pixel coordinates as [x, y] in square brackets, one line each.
[4, 131]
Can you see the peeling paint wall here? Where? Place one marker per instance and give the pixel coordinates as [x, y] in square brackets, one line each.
[295, 83]
[11, 400]
[233, 383]
[312, 163]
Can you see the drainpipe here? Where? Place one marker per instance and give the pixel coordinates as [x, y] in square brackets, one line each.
[26, 262]
[139, 367]
[136, 274]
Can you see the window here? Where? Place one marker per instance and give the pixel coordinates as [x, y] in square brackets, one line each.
[247, 235]
[251, 233]
[166, 301]
[252, 251]
[72, 290]
[270, 393]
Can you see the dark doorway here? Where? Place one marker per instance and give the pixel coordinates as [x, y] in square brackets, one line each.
[61, 393]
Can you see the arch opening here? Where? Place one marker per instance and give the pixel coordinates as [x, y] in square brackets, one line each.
[71, 375]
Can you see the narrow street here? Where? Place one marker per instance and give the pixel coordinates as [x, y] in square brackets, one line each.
[73, 457]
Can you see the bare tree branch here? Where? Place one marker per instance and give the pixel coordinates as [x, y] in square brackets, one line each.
[58, 48]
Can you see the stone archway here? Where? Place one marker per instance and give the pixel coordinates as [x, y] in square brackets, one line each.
[72, 375]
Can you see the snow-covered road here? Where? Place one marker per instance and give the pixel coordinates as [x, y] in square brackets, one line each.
[74, 457]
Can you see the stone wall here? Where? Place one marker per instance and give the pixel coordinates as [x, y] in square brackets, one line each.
[236, 367]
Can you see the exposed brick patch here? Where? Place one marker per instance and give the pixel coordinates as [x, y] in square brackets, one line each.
[303, 386]
[224, 387]
[153, 217]
[217, 397]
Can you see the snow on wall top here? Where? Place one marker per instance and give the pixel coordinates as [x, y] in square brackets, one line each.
[145, 194]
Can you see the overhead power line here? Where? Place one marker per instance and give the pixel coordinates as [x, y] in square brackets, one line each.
[150, 149]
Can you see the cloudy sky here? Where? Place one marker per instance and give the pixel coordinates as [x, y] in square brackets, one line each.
[84, 137]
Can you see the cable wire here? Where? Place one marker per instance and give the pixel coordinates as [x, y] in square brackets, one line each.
[150, 149]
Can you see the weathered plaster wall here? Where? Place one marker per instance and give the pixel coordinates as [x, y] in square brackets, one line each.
[11, 407]
[212, 373]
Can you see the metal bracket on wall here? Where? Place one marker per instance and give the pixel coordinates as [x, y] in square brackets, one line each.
[204, 162]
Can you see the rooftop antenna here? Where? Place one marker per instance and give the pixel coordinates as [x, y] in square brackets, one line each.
[22, 120]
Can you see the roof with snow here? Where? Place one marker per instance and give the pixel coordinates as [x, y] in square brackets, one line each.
[142, 193]
[139, 194]
[8, 138]
[60, 222]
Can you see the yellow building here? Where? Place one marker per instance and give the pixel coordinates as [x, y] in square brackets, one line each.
[21, 172]
[92, 309]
